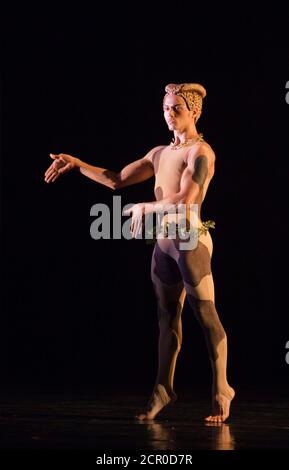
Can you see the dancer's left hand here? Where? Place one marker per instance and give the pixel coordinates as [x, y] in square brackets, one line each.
[137, 211]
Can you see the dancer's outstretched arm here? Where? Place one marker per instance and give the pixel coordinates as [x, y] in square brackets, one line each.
[135, 172]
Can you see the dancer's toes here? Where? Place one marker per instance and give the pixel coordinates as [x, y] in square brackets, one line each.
[214, 419]
[147, 416]
[159, 400]
[142, 417]
[221, 406]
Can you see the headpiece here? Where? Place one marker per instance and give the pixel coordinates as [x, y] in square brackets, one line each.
[192, 93]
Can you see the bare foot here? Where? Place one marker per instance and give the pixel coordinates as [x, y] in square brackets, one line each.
[221, 405]
[158, 401]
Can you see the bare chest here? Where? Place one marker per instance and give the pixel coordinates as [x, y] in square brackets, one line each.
[170, 162]
[169, 167]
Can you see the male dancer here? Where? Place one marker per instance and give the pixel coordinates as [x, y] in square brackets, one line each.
[183, 171]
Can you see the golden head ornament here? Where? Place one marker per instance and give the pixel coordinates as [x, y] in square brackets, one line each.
[192, 93]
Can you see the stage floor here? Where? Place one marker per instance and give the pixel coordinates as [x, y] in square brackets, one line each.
[85, 420]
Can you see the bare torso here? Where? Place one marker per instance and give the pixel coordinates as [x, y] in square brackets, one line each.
[169, 166]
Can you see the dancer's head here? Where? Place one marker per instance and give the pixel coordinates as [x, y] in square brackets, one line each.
[183, 100]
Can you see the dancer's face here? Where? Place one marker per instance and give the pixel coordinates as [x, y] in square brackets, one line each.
[176, 113]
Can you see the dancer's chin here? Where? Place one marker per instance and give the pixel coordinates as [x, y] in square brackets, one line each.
[171, 127]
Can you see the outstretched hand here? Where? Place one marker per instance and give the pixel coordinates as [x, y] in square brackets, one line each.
[137, 211]
[62, 164]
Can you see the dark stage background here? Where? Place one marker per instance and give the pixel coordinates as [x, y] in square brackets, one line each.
[81, 313]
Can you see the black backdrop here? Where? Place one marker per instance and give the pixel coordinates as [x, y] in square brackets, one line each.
[80, 312]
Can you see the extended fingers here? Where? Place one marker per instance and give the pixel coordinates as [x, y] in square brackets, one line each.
[139, 226]
[50, 168]
[136, 220]
[132, 226]
[136, 226]
[51, 174]
[51, 177]
[56, 175]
